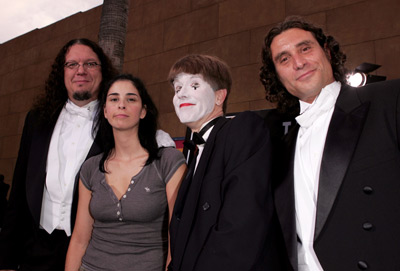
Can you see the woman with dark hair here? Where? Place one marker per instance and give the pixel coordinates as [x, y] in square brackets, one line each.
[126, 194]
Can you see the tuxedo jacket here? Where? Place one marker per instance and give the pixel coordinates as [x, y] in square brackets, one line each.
[3, 198]
[22, 217]
[224, 217]
[358, 206]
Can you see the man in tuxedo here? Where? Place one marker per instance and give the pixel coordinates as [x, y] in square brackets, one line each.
[338, 195]
[58, 135]
[223, 217]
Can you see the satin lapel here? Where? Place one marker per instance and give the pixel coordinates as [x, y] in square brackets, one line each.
[95, 149]
[36, 167]
[189, 204]
[284, 196]
[343, 133]
[178, 229]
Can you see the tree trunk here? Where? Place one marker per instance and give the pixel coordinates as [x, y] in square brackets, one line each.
[112, 33]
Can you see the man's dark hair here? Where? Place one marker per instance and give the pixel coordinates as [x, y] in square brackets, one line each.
[51, 102]
[275, 91]
[147, 125]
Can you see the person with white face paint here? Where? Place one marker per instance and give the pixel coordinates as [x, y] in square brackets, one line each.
[223, 216]
[194, 100]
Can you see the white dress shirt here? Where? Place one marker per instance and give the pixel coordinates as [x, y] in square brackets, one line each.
[314, 123]
[70, 143]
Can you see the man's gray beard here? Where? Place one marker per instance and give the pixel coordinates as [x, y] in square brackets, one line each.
[82, 95]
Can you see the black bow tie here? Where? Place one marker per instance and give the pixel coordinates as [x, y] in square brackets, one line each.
[197, 138]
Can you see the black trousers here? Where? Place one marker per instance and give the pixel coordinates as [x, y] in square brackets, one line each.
[45, 252]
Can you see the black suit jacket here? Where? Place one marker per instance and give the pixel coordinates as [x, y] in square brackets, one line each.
[23, 212]
[3, 198]
[224, 217]
[358, 207]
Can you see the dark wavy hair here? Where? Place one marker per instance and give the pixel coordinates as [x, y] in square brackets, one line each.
[215, 71]
[51, 102]
[147, 125]
[275, 91]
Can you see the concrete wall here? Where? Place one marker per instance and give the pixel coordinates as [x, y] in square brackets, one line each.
[161, 31]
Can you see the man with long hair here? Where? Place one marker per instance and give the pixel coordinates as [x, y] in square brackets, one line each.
[58, 135]
[337, 196]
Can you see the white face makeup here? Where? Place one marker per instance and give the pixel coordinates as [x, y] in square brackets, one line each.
[194, 98]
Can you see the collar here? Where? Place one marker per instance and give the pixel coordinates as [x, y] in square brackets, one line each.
[322, 103]
[87, 111]
[201, 137]
[206, 128]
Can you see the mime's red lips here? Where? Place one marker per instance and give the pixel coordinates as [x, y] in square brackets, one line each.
[185, 104]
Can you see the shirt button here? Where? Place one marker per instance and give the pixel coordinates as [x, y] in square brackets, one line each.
[118, 212]
[368, 226]
[206, 206]
[118, 204]
[120, 219]
[124, 196]
[362, 265]
[129, 189]
[368, 190]
[132, 182]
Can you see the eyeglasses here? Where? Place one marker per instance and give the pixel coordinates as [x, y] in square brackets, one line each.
[87, 65]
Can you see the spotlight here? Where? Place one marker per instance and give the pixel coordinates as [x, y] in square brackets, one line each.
[360, 76]
[356, 79]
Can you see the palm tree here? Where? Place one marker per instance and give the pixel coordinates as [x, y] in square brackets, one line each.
[112, 33]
